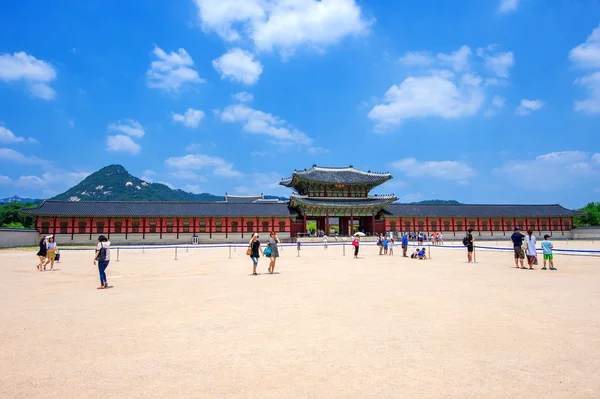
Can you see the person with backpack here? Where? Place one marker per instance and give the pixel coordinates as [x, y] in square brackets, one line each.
[468, 242]
[102, 256]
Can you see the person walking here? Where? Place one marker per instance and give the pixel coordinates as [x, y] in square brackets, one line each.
[470, 247]
[548, 255]
[404, 244]
[42, 253]
[273, 241]
[517, 239]
[102, 256]
[356, 244]
[255, 252]
[50, 253]
[531, 251]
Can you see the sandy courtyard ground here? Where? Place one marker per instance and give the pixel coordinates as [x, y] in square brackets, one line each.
[324, 326]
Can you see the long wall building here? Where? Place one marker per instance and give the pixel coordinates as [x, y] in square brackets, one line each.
[331, 197]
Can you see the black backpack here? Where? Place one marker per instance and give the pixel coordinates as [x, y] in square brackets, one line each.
[466, 241]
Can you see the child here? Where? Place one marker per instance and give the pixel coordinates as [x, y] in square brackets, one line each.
[298, 242]
[386, 244]
[325, 240]
[415, 255]
[391, 246]
[547, 248]
[422, 255]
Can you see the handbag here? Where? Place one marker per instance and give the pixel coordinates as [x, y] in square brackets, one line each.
[267, 252]
[249, 251]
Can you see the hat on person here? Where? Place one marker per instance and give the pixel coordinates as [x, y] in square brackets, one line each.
[517, 228]
[546, 236]
[255, 235]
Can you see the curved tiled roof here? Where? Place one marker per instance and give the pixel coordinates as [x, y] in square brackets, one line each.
[345, 202]
[243, 199]
[478, 210]
[348, 175]
[164, 209]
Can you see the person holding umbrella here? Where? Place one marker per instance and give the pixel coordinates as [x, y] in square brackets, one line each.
[356, 243]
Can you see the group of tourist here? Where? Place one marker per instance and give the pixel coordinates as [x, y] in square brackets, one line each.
[271, 251]
[525, 247]
[47, 253]
[385, 244]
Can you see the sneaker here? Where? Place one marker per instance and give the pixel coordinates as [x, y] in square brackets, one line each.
[553, 268]
[544, 268]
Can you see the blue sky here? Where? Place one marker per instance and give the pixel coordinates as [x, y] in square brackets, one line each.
[482, 102]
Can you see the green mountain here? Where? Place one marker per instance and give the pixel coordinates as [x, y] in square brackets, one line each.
[114, 183]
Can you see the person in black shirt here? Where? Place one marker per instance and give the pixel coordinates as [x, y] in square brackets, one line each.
[470, 246]
[255, 252]
[517, 239]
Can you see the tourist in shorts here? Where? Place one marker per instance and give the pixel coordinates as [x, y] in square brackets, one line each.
[50, 253]
[548, 255]
[517, 239]
[273, 241]
[255, 252]
[386, 244]
[421, 254]
[41, 254]
[531, 251]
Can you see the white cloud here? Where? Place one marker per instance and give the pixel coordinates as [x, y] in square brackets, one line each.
[128, 126]
[587, 55]
[450, 85]
[259, 153]
[188, 175]
[6, 154]
[122, 143]
[193, 162]
[243, 97]
[508, 5]
[417, 58]
[457, 171]
[458, 60]
[527, 106]
[191, 118]
[56, 178]
[420, 97]
[238, 65]
[36, 73]
[317, 150]
[259, 122]
[567, 168]
[413, 197]
[6, 136]
[284, 25]
[5, 180]
[498, 63]
[172, 70]
[71, 123]
[596, 157]
[149, 172]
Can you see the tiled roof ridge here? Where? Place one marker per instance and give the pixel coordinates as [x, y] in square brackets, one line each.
[461, 204]
[243, 196]
[338, 169]
[373, 196]
[136, 202]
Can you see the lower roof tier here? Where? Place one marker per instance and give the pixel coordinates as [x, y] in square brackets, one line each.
[224, 209]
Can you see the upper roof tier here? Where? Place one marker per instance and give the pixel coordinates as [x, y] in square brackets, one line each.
[349, 175]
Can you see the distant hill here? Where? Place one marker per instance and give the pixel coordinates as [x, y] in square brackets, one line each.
[16, 198]
[437, 202]
[114, 183]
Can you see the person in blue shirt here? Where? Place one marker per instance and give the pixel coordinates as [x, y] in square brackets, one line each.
[422, 255]
[517, 239]
[404, 244]
[548, 255]
[386, 244]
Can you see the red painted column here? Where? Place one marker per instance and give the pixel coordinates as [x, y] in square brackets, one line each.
[177, 228]
[91, 227]
[453, 225]
[243, 227]
[72, 228]
[109, 220]
[143, 228]
[161, 227]
[210, 220]
[54, 227]
[194, 225]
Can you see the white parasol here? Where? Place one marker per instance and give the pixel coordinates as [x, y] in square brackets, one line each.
[359, 234]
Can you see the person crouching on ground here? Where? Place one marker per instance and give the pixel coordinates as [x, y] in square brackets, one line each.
[273, 241]
[421, 254]
[255, 252]
[415, 255]
[102, 256]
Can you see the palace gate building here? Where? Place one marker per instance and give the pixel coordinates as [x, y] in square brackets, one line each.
[330, 197]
